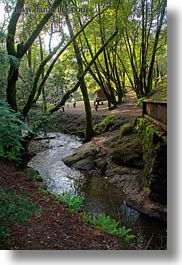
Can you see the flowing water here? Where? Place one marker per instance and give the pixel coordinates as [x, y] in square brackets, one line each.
[99, 195]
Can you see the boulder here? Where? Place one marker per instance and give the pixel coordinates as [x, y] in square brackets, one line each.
[86, 164]
[129, 152]
[125, 178]
[83, 158]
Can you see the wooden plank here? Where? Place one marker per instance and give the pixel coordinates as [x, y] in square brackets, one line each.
[158, 123]
[156, 112]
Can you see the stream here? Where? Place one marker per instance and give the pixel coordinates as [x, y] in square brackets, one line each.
[99, 195]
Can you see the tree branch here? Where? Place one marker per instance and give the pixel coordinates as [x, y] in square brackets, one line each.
[66, 96]
[10, 40]
[40, 26]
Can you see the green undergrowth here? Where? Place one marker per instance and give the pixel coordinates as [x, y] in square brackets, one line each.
[11, 126]
[73, 201]
[103, 222]
[14, 210]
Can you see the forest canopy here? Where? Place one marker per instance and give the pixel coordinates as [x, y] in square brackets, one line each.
[57, 51]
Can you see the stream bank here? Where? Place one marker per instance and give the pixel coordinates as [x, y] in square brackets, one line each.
[106, 186]
[95, 157]
[95, 161]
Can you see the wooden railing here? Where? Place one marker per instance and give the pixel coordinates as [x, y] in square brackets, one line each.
[156, 111]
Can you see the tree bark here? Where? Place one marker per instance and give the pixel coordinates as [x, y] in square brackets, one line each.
[21, 48]
[89, 126]
[11, 88]
[160, 22]
[36, 90]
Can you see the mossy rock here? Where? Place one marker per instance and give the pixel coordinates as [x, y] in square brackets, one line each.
[126, 129]
[129, 152]
[32, 175]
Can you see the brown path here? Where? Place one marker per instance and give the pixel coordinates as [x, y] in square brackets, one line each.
[126, 110]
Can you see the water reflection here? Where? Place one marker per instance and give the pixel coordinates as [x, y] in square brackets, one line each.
[100, 196]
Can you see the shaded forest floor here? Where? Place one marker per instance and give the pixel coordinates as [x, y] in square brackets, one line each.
[56, 227]
[73, 120]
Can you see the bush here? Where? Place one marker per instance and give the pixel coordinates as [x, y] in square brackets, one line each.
[14, 210]
[11, 126]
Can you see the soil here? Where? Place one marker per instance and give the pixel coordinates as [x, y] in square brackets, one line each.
[57, 228]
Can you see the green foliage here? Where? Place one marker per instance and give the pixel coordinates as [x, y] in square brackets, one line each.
[40, 121]
[14, 61]
[105, 124]
[140, 102]
[11, 126]
[125, 129]
[4, 63]
[14, 210]
[147, 130]
[73, 201]
[35, 178]
[105, 223]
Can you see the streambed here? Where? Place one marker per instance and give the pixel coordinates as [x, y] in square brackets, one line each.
[100, 196]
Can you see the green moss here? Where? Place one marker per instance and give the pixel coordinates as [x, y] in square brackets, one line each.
[126, 129]
[129, 152]
[158, 94]
[105, 124]
[151, 143]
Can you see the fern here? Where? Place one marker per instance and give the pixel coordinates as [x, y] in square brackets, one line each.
[14, 210]
[11, 126]
[73, 201]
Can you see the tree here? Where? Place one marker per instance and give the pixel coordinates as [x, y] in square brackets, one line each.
[89, 126]
[142, 36]
[22, 48]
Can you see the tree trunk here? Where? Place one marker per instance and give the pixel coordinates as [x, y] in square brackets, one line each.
[160, 22]
[89, 127]
[68, 93]
[21, 47]
[83, 87]
[11, 88]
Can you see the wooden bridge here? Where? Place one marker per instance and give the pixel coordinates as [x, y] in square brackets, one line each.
[156, 111]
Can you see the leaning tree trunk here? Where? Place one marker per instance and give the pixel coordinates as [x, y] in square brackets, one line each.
[83, 87]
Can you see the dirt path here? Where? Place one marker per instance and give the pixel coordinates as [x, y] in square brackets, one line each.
[126, 110]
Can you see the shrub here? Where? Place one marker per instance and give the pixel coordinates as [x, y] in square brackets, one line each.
[11, 126]
[14, 210]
